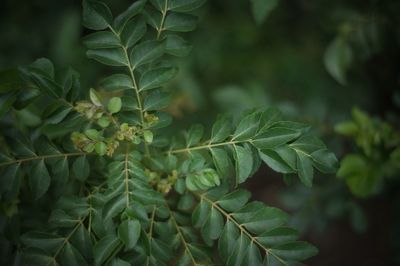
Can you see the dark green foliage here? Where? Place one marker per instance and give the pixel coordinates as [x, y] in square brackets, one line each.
[104, 186]
[378, 156]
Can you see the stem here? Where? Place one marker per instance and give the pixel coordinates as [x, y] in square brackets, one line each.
[43, 157]
[137, 92]
[164, 13]
[207, 146]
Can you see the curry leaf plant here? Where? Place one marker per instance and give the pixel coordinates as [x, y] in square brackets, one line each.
[88, 176]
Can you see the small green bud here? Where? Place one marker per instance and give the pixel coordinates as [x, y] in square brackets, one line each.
[112, 145]
[83, 106]
[119, 136]
[150, 118]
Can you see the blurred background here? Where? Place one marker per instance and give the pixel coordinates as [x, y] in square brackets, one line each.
[332, 64]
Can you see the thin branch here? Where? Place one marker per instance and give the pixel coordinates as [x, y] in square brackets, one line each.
[164, 13]
[206, 146]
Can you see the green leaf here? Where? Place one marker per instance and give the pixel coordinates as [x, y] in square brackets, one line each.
[11, 80]
[148, 136]
[273, 160]
[45, 66]
[156, 77]
[82, 241]
[101, 148]
[338, 58]
[325, 161]
[101, 39]
[274, 137]
[81, 168]
[277, 236]
[239, 251]
[252, 256]
[180, 22]
[104, 248]
[202, 180]
[110, 57]
[119, 262]
[160, 5]
[261, 9]
[161, 250]
[194, 135]
[114, 206]
[186, 202]
[247, 127]
[60, 218]
[95, 98]
[93, 134]
[306, 171]
[227, 240]
[70, 256]
[114, 105]
[184, 5]
[234, 200]
[44, 241]
[222, 162]
[37, 257]
[60, 172]
[153, 16]
[96, 15]
[176, 45]
[129, 232]
[258, 218]
[129, 103]
[117, 82]
[348, 128]
[6, 102]
[295, 251]
[362, 179]
[39, 180]
[45, 84]
[146, 52]
[200, 214]
[124, 17]
[133, 32]
[10, 182]
[221, 129]
[213, 225]
[156, 101]
[244, 163]
[103, 121]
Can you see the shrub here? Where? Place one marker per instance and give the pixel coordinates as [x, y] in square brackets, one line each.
[90, 177]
